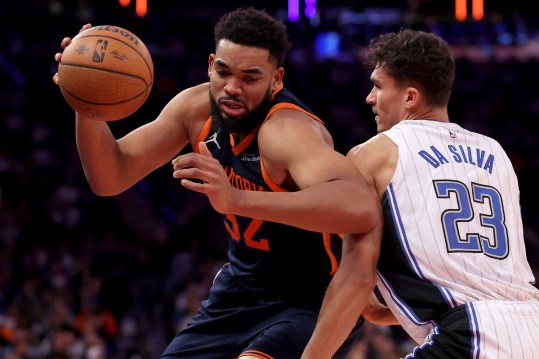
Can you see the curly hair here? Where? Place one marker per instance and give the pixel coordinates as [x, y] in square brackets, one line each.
[254, 28]
[416, 58]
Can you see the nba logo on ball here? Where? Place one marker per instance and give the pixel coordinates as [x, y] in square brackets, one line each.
[106, 73]
[99, 51]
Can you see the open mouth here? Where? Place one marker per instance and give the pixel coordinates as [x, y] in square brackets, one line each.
[232, 108]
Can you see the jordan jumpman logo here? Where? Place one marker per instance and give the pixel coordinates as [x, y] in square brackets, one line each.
[213, 138]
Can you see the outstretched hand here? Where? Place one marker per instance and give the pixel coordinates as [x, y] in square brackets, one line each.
[200, 172]
[65, 41]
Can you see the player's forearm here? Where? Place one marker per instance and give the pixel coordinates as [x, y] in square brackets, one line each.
[338, 206]
[341, 309]
[338, 317]
[98, 152]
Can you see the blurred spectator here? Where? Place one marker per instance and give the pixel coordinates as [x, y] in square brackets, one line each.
[98, 326]
[65, 344]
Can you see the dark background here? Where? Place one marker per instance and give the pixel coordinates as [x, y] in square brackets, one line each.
[120, 275]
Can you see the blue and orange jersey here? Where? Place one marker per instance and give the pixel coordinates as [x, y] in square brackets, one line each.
[279, 260]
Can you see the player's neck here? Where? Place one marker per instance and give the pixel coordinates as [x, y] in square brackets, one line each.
[432, 113]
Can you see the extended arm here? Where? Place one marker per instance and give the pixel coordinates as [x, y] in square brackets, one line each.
[327, 193]
[350, 291]
[347, 294]
[111, 166]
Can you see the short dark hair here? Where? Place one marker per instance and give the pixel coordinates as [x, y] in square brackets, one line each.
[254, 28]
[417, 58]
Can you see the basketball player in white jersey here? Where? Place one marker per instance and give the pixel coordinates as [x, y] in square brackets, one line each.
[452, 263]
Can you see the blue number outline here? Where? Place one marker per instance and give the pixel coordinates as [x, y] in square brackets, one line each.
[496, 247]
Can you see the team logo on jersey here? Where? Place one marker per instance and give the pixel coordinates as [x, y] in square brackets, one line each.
[213, 138]
[241, 182]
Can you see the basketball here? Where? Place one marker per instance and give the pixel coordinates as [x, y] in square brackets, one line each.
[106, 73]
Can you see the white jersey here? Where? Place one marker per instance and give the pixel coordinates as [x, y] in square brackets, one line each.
[453, 229]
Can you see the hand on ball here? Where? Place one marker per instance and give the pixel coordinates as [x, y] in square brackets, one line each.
[105, 72]
[66, 41]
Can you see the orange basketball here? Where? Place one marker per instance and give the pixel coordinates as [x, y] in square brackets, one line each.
[106, 73]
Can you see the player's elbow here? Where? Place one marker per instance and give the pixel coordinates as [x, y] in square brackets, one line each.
[368, 212]
[102, 192]
[103, 188]
[372, 218]
[368, 217]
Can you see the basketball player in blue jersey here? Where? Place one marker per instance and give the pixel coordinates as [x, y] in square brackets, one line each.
[268, 165]
[452, 266]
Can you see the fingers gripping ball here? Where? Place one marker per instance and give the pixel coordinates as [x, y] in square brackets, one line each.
[106, 73]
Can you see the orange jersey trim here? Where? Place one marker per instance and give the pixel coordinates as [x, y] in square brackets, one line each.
[245, 142]
[279, 88]
[203, 133]
[331, 255]
[256, 354]
[282, 105]
[274, 187]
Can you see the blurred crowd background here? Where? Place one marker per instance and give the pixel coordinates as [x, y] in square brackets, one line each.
[83, 276]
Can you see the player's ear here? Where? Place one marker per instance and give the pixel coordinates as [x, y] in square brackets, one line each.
[413, 96]
[211, 60]
[277, 78]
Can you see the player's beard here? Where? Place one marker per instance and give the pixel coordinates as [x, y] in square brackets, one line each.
[241, 124]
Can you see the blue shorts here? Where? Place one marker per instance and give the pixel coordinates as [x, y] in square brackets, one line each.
[234, 320]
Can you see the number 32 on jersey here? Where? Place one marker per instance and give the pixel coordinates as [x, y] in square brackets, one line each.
[233, 229]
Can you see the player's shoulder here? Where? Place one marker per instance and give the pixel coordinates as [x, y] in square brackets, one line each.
[373, 155]
[186, 112]
[372, 148]
[292, 127]
[190, 103]
[197, 90]
[194, 96]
